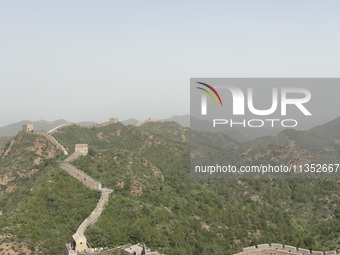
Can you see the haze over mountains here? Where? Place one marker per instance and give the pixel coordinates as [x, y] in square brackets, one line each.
[13, 128]
[328, 130]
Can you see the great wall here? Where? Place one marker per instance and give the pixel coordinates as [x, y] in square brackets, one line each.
[141, 123]
[85, 179]
[80, 245]
[279, 249]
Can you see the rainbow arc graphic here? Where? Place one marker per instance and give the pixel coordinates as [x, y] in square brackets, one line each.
[209, 90]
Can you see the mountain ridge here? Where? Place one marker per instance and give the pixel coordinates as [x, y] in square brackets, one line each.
[156, 202]
[329, 130]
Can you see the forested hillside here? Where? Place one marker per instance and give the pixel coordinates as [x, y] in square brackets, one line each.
[157, 202]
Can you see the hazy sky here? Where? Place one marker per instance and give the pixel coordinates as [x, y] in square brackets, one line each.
[91, 60]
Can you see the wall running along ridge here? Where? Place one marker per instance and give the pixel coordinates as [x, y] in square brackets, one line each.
[279, 249]
[260, 249]
[85, 179]
[52, 140]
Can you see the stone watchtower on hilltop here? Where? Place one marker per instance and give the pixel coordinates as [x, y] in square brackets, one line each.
[113, 120]
[27, 127]
[81, 149]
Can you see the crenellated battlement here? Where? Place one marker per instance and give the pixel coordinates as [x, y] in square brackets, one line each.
[280, 249]
[141, 123]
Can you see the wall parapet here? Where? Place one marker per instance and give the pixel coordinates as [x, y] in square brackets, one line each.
[52, 140]
[283, 249]
[94, 216]
[141, 123]
[87, 180]
[53, 130]
[72, 157]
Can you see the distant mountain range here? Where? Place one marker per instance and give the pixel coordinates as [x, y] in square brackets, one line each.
[183, 120]
[130, 121]
[14, 128]
[328, 131]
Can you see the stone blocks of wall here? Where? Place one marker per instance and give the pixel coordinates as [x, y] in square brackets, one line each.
[94, 216]
[304, 251]
[52, 140]
[330, 253]
[60, 126]
[290, 248]
[276, 246]
[317, 253]
[141, 123]
[72, 157]
[263, 246]
[249, 249]
[80, 176]
[281, 250]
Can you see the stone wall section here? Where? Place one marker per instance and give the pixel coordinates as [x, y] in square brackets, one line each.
[94, 216]
[60, 126]
[52, 140]
[85, 179]
[141, 123]
[72, 157]
[279, 249]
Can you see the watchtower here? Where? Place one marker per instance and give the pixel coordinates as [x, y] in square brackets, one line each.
[113, 120]
[27, 127]
[82, 149]
[151, 120]
[79, 242]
